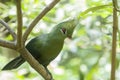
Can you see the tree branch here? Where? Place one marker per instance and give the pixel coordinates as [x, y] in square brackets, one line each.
[20, 47]
[19, 27]
[40, 16]
[8, 28]
[7, 44]
[34, 63]
[114, 39]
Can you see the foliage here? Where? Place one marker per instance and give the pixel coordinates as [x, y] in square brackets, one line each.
[85, 57]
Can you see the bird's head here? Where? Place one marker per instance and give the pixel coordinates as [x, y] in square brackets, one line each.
[66, 27]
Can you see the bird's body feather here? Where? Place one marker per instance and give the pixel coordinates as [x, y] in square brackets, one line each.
[44, 51]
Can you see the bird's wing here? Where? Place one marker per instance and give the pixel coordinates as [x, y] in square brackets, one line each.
[36, 45]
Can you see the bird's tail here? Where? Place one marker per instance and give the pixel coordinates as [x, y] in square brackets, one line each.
[15, 63]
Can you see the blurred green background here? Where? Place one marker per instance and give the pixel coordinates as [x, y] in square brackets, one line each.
[86, 57]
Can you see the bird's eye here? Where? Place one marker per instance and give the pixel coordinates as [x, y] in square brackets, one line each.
[64, 31]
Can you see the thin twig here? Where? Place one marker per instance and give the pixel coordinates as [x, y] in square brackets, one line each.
[114, 39]
[7, 44]
[8, 28]
[19, 27]
[40, 16]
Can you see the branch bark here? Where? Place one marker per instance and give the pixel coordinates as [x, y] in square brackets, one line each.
[19, 26]
[7, 44]
[114, 39]
[38, 18]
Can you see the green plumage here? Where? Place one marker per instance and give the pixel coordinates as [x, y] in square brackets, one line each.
[46, 47]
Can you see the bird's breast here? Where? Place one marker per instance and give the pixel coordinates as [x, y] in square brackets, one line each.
[51, 50]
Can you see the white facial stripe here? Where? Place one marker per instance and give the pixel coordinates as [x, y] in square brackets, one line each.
[64, 31]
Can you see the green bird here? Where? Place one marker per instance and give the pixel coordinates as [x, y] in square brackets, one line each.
[46, 47]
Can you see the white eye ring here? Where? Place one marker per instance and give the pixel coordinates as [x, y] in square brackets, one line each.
[64, 31]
